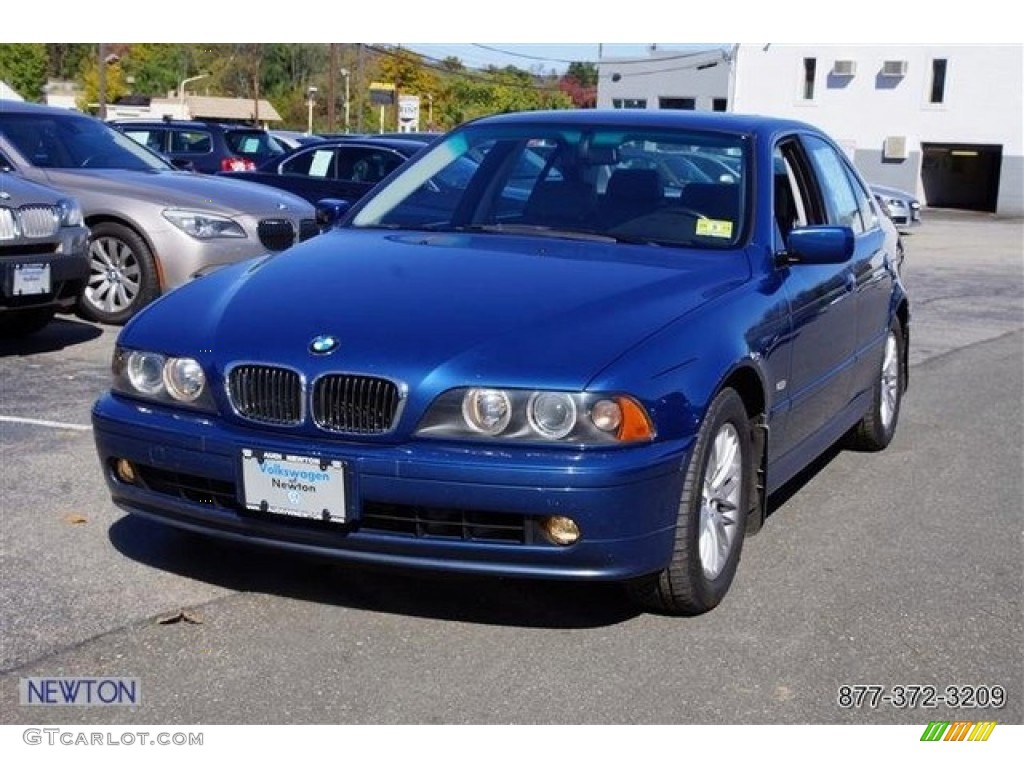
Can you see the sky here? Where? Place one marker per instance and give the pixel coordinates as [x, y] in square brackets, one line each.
[555, 56]
[555, 31]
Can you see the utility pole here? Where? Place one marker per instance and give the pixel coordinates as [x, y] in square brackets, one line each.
[101, 86]
[359, 79]
[331, 87]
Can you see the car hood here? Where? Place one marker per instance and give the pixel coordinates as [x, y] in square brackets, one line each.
[436, 311]
[891, 192]
[175, 189]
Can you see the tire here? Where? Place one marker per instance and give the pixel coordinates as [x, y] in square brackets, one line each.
[25, 321]
[122, 275]
[713, 509]
[875, 431]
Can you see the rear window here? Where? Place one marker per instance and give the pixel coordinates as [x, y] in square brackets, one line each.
[253, 144]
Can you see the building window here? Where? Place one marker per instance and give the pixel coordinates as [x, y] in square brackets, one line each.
[629, 103]
[938, 94]
[667, 102]
[719, 105]
[810, 69]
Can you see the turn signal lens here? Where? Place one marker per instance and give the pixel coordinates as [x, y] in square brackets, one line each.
[636, 426]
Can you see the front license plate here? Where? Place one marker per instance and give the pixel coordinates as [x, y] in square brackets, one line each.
[31, 279]
[297, 486]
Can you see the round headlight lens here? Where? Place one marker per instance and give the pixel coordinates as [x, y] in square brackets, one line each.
[145, 372]
[552, 414]
[184, 379]
[606, 415]
[487, 410]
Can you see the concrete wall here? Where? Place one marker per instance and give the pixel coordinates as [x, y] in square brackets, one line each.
[672, 74]
[983, 103]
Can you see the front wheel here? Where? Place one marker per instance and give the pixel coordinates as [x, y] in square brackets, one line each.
[122, 275]
[712, 516]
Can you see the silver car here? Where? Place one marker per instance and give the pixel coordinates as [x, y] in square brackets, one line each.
[43, 262]
[153, 227]
[902, 207]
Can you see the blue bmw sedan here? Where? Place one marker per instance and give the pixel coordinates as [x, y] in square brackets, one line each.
[574, 363]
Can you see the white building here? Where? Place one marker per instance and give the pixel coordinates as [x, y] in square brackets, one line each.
[943, 121]
[665, 79]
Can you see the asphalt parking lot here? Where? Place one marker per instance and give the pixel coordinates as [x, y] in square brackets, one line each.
[892, 569]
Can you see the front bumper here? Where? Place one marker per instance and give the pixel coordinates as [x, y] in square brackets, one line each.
[68, 270]
[421, 504]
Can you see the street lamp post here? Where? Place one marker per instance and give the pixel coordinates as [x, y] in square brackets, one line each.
[181, 93]
[345, 74]
[310, 101]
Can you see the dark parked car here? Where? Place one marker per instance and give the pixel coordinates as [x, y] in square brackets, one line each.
[43, 261]
[206, 147]
[340, 169]
[570, 375]
[152, 227]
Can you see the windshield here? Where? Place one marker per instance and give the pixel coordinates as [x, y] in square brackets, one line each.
[619, 184]
[76, 141]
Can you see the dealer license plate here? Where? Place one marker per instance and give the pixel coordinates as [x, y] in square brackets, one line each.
[31, 279]
[297, 486]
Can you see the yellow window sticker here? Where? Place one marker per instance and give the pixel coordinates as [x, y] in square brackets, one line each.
[714, 228]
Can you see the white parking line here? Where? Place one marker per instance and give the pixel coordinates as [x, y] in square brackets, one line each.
[45, 423]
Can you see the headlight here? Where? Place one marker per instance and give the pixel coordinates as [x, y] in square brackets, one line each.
[184, 379]
[487, 410]
[551, 414]
[203, 226]
[70, 213]
[539, 416]
[162, 378]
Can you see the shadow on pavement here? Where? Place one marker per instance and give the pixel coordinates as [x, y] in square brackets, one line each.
[61, 332]
[482, 600]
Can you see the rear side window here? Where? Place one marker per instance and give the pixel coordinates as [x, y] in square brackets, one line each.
[191, 141]
[147, 137]
[315, 162]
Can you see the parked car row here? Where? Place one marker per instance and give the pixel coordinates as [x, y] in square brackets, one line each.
[152, 226]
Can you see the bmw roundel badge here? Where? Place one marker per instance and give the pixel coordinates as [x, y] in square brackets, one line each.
[323, 345]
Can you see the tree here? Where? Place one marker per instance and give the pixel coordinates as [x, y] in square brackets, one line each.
[23, 68]
[580, 84]
[584, 73]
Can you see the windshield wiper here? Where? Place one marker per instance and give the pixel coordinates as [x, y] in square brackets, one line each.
[536, 229]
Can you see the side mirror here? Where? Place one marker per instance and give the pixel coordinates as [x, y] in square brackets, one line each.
[818, 245]
[330, 211]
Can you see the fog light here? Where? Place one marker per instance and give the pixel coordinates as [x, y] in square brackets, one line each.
[125, 471]
[560, 530]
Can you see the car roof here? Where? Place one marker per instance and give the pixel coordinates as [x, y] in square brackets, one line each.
[147, 122]
[650, 118]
